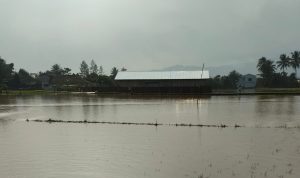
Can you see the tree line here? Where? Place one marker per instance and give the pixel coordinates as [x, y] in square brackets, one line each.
[271, 77]
[272, 74]
[89, 76]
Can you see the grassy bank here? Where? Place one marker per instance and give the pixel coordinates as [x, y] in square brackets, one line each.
[257, 91]
[26, 92]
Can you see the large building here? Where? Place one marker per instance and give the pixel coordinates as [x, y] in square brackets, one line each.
[164, 81]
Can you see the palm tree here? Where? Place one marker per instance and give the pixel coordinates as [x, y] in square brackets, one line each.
[114, 72]
[267, 69]
[261, 63]
[295, 60]
[283, 63]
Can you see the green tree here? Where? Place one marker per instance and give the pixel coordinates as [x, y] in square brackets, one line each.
[267, 69]
[100, 70]
[56, 69]
[84, 69]
[6, 71]
[123, 69]
[14, 82]
[295, 61]
[93, 67]
[114, 72]
[283, 63]
[261, 63]
[67, 71]
[25, 78]
[233, 78]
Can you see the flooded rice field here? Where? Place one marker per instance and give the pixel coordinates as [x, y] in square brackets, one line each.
[267, 144]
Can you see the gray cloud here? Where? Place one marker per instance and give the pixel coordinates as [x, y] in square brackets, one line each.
[145, 35]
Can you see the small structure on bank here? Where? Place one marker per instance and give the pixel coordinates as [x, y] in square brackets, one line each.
[164, 81]
[45, 81]
[247, 81]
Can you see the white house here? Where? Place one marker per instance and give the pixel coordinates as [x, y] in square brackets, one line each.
[247, 81]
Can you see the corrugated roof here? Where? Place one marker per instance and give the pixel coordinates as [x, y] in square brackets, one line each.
[163, 75]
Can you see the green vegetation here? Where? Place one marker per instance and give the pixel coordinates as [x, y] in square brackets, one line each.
[268, 75]
[226, 82]
[272, 74]
[57, 78]
[114, 72]
[272, 79]
[6, 71]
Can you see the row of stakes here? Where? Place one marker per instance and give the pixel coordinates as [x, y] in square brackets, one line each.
[134, 123]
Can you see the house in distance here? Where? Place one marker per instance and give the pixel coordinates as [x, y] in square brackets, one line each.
[247, 81]
[164, 81]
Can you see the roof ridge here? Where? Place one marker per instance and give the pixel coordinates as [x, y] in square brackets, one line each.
[162, 75]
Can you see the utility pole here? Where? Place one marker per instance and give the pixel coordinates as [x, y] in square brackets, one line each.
[202, 70]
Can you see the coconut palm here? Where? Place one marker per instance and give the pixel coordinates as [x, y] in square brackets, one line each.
[295, 60]
[114, 72]
[283, 63]
[266, 68]
[261, 63]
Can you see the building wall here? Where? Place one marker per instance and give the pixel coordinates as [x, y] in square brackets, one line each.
[162, 83]
[165, 86]
[247, 81]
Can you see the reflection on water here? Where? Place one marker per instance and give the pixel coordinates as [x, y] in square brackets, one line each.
[246, 110]
[87, 150]
[280, 109]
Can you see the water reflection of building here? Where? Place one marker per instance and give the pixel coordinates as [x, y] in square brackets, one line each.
[164, 81]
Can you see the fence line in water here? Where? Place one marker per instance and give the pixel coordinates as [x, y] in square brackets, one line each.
[158, 124]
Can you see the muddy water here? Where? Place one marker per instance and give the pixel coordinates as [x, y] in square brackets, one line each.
[259, 149]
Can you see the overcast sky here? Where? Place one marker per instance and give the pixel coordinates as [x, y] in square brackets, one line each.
[145, 34]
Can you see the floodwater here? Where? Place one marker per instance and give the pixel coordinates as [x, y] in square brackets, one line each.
[268, 144]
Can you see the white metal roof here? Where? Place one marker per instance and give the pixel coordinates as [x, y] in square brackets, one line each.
[163, 75]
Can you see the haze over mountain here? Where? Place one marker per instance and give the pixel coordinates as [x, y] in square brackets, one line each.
[243, 68]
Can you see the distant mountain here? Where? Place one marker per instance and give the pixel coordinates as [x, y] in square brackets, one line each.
[181, 68]
[243, 68]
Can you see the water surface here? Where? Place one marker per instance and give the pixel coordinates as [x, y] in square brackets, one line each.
[259, 149]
